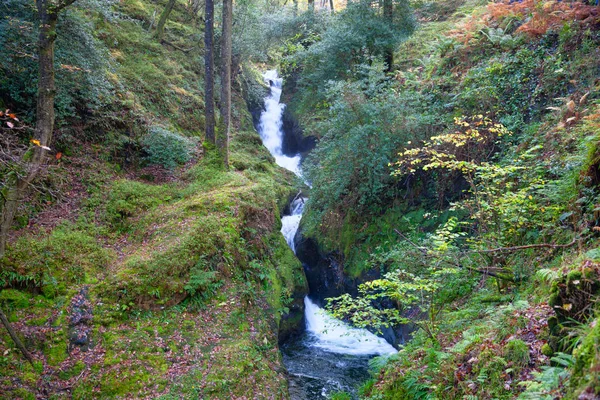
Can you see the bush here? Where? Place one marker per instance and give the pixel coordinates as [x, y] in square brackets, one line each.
[167, 148]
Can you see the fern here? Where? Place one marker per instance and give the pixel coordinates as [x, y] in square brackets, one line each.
[547, 275]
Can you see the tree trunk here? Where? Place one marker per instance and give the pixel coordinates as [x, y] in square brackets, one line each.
[160, 28]
[331, 6]
[225, 122]
[388, 15]
[209, 72]
[311, 5]
[44, 127]
[14, 337]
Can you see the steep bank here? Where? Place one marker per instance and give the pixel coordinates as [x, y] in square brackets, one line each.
[135, 273]
[488, 227]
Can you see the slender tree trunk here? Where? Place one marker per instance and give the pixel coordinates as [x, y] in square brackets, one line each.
[388, 15]
[209, 72]
[225, 123]
[331, 6]
[311, 5]
[160, 28]
[295, 8]
[14, 337]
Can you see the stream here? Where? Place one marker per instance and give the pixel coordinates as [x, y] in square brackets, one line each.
[329, 356]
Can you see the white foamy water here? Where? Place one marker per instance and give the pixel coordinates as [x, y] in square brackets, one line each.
[337, 337]
[290, 223]
[271, 123]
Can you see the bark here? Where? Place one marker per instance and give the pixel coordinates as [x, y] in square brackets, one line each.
[160, 28]
[331, 6]
[388, 15]
[14, 337]
[225, 122]
[209, 71]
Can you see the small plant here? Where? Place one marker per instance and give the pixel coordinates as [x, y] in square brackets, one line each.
[517, 351]
[167, 148]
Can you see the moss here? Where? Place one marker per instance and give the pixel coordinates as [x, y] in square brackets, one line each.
[75, 370]
[56, 352]
[586, 371]
[13, 299]
[547, 350]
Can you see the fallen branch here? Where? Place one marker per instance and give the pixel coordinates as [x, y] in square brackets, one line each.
[173, 45]
[14, 337]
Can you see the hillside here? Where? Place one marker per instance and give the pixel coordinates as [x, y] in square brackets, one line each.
[451, 203]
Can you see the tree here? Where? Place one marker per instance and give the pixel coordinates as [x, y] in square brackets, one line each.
[225, 122]
[32, 161]
[209, 67]
[160, 28]
[388, 16]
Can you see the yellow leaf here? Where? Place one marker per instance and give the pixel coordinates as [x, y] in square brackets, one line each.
[36, 142]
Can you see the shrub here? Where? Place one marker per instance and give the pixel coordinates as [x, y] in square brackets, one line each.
[167, 148]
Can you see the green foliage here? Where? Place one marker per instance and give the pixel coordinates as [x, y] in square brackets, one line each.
[517, 351]
[69, 254]
[83, 63]
[128, 198]
[166, 148]
[366, 122]
[356, 35]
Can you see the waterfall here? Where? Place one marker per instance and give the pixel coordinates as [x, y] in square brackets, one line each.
[331, 350]
[270, 125]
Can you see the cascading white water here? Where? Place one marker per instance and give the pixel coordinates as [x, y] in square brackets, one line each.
[337, 337]
[290, 223]
[271, 123]
[329, 346]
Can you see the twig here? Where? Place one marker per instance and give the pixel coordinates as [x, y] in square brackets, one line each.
[454, 264]
[176, 47]
[529, 246]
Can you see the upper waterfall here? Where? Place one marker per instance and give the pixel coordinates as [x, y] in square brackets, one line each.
[270, 125]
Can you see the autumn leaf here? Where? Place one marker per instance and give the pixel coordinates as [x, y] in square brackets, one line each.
[36, 142]
[13, 116]
[58, 155]
[10, 124]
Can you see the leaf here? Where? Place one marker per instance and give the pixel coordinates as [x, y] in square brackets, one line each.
[58, 155]
[10, 124]
[13, 116]
[36, 142]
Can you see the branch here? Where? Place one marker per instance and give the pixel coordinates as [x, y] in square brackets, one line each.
[14, 337]
[529, 246]
[454, 264]
[176, 47]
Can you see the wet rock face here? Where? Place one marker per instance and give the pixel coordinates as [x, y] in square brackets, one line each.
[294, 141]
[80, 320]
